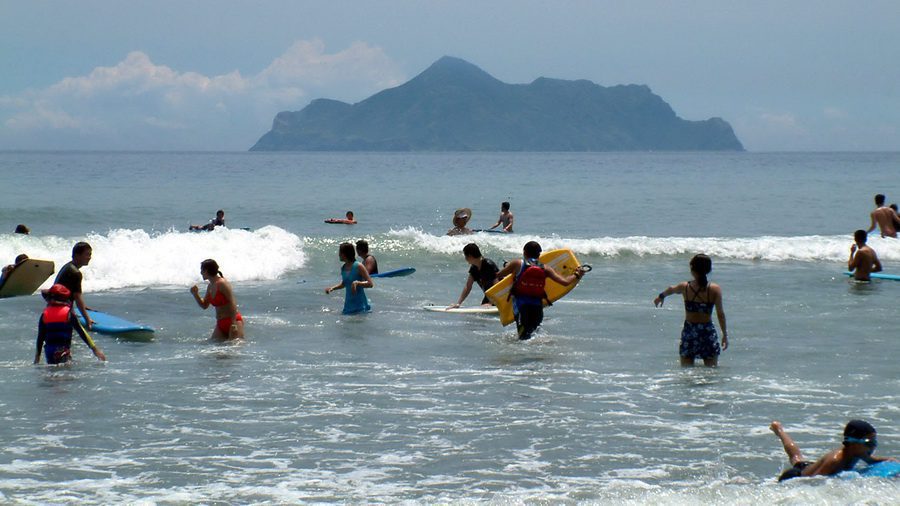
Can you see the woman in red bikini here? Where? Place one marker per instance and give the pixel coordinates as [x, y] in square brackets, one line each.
[229, 323]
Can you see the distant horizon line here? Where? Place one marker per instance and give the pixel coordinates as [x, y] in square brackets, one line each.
[256, 153]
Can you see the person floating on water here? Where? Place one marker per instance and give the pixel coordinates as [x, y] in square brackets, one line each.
[354, 278]
[859, 444]
[506, 219]
[885, 218]
[55, 327]
[22, 229]
[482, 270]
[229, 322]
[7, 270]
[863, 260]
[369, 261]
[70, 276]
[349, 220]
[698, 336]
[460, 218]
[218, 221]
[528, 287]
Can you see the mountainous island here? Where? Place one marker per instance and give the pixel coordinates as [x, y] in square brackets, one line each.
[455, 106]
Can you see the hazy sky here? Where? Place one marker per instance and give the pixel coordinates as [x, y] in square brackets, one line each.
[210, 75]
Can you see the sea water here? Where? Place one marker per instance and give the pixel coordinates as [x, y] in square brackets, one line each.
[403, 405]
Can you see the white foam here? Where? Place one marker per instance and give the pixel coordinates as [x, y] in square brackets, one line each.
[811, 248]
[125, 258]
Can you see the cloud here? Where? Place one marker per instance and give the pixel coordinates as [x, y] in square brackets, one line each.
[138, 104]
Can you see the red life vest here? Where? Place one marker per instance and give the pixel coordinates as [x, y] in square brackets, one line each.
[530, 281]
[57, 326]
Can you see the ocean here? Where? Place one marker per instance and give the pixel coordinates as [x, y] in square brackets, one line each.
[404, 405]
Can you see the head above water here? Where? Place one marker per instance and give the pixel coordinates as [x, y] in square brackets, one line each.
[58, 293]
[362, 247]
[893, 207]
[531, 250]
[879, 200]
[701, 266]
[858, 429]
[346, 252]
[81, 253]
[220, 214]
[471, 250]
[21, 258]
[504, 206]
[22, 229]
[210, 268]
[860, 236]
[349, 215]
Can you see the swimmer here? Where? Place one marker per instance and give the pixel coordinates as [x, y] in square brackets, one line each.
[505, 219]
[369, 261]
[698, 336]
[481, 270]
[55, 328]
[354, 278]
[349, 220]
[229, 322]
[22, 229]
[7, 270]
[528, 288]
[460, 218]
[863, 260]
[859, 444]
[218, 221]
[884, 217]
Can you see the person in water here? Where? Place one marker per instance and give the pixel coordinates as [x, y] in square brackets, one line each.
[698, 336]
[349, 220]
[884, 217]
[7, 270]
[460, 219]
[528, 287]
[55, 327]
[229, 322]
[481, 270]
[22, 229]
[218, 221]
[369, 261]
[859, 444]
[506, 219]
[863, 260]
[70, 276]
[354, 278]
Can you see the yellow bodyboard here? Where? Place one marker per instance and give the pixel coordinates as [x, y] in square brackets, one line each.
[562, 261]
[26, 278]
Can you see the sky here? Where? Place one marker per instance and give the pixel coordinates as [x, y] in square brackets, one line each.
[211, 75]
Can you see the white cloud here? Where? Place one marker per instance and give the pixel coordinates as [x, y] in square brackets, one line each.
[113, 107]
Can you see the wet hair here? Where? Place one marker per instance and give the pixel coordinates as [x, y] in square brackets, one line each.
[220, 212]
[21, 258]
[362, 246]
[80, 247]
[22, 229]
[879, 200]
[532, 249]
[894, 207]
[346, 252]
[858, 429]
[504, 206]
[472, 250]
[211, 266]
[860, 236]
[349, 214]
[702, 265]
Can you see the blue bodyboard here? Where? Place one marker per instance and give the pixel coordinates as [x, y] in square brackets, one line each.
[406, 271]
[881, 470]
[879, 275]
[113, 325]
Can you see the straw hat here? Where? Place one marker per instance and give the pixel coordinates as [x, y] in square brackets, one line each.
[464, 215]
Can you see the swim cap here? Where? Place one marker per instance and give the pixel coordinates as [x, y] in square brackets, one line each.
[858, 429]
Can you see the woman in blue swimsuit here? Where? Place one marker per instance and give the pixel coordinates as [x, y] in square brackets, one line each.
[354, 278]
[698, 337]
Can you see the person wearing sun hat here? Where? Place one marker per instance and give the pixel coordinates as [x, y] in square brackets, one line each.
[460, 218]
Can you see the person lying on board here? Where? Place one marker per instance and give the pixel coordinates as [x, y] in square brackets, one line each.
[218, 221]
[859, 444]
[349, 220]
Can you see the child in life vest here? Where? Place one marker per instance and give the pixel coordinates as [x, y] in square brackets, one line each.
[55, 328]
[528, 287]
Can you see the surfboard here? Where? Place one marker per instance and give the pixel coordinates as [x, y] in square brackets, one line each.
[491, 231]
[463, 310]
[881, 470]
[406, 271]
[113, 325]
[562, 261]
[26, 278]
[879, 275]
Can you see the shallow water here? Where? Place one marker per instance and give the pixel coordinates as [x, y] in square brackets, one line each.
[406, 405]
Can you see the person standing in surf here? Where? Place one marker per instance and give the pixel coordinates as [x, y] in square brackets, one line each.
[863, 260]
[528, 287]
[55, 328]
[354, 279]
[482, 270]
[698, 336]
[884, 218]
[505, 221]
[70, 277]
[369, 261]
[229, 322]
